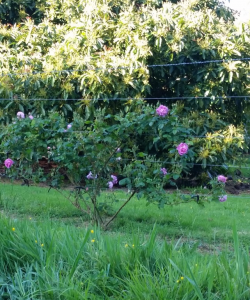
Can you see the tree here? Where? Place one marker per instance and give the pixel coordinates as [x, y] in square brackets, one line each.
[91, 50]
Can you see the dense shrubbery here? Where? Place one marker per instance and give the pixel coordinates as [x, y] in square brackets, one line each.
[112, 43]
[143, 149]
[27, 140]
[14, 11]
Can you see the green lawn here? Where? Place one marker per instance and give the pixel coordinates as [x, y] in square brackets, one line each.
[209, 223]
[48, 250]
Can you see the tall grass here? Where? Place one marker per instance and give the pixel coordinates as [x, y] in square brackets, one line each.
[50, 260]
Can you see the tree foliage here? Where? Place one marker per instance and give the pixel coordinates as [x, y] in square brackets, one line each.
[101, 49]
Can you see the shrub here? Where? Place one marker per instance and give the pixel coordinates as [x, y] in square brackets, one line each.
[104, 152]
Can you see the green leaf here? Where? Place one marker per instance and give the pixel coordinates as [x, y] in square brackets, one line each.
[124, 181]
[79, 255]
[230, 77]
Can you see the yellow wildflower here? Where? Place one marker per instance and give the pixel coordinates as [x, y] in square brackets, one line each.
[92, 231]
[13, 228]
[92, 241]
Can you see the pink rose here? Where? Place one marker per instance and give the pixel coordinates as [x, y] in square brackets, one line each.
[182, 148]
[31, 117]
[114, 179]
[8, 163]
[91, 176]
[223, 198]
[162, 111]
[164, 171]
[110, 184]
[222, 178]
[20, 115]
[69, 126]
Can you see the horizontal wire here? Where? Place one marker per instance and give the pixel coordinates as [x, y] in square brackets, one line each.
[200, 62]
[243, 195]
[154, 134]
[182, 194]
[164, 162]
[193, 164]
[240, 196]
[125, 67]
[130, 98]
[157, 135]
[106, 189]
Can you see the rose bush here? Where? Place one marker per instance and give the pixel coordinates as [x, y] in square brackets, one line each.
[102, 153]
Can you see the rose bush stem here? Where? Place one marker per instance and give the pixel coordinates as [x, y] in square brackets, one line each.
[115, 215]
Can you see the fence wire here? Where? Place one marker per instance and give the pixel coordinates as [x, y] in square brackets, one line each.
[165, 162]
[245, 97]
[192, 195]
[107, 68]
[154, 134]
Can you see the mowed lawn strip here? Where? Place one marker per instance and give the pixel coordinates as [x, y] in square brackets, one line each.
[207, 223]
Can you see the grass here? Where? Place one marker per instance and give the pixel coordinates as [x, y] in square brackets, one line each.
[35, 201]
[207, 224]
[47, 260]
[48, 251]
